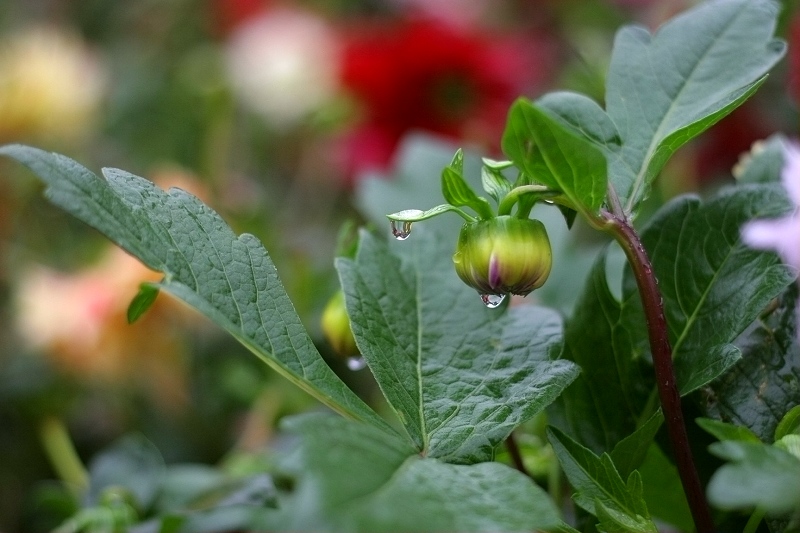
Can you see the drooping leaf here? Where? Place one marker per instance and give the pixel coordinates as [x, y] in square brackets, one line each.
[602, 406]
[599, 488]
[757, 475]
[351, 477]
[664, 89]
[229, 278]
[759, 390]
[712, 284]
[460, 376]
[552, 154]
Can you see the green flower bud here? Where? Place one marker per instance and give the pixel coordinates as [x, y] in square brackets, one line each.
[503, 255]
[336, 326]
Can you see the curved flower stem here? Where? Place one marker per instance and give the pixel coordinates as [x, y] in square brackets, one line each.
[668, 392]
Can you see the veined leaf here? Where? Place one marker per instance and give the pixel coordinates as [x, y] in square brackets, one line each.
[664, 89]
[713, 285]
[599, 488]
[229, 279]
[460, 377]
[352, 477]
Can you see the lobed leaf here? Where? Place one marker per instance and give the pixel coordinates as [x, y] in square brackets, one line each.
[230, 279]
[460, 376]
[664, 89]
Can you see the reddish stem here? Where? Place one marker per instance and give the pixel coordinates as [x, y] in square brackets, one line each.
[660, 347]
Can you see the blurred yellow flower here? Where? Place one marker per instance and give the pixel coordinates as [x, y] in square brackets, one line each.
[51, 84]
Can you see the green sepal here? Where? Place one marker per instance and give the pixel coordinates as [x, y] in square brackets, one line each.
[416, 215]
[494, 182]
[458, 193]
[143, 300]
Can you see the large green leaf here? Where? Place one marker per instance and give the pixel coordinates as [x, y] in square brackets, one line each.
[713, 285]
[599, 488]
[666, 88]
[352, 477]
[460, 376]
[603, 405]
[551, 153]
[230, 279]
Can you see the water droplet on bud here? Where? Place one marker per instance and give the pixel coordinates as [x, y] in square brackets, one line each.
[356, 363]
[403, 232]
[492, 300]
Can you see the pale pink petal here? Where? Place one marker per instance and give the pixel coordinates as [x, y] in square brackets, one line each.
[781, 235]
[790, 175]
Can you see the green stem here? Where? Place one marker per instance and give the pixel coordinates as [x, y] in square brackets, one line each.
[62, 455]
[755, 519]
[505, 206]
[668, 393]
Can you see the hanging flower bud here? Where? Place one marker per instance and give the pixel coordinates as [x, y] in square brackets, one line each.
[336, 326]
[503, 255]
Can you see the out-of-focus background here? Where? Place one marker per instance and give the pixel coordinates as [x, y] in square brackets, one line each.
[271, 112]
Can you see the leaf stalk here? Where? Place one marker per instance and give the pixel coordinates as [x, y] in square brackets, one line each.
[668, 392]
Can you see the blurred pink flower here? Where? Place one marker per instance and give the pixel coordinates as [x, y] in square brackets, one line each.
[782, 234]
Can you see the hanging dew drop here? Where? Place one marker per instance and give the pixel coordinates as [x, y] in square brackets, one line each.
[356, 363]
[492, 300]
[402, 232]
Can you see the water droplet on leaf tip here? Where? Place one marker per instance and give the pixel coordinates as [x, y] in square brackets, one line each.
[403, 232]
[356, 363]
[492, 300]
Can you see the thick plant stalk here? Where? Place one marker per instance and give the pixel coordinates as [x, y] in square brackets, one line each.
[668, 393]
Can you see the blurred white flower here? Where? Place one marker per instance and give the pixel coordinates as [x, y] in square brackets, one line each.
[284, 64]
[782, 234]
[51, 85]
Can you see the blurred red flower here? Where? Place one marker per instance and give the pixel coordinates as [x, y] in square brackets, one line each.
[426, 75]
